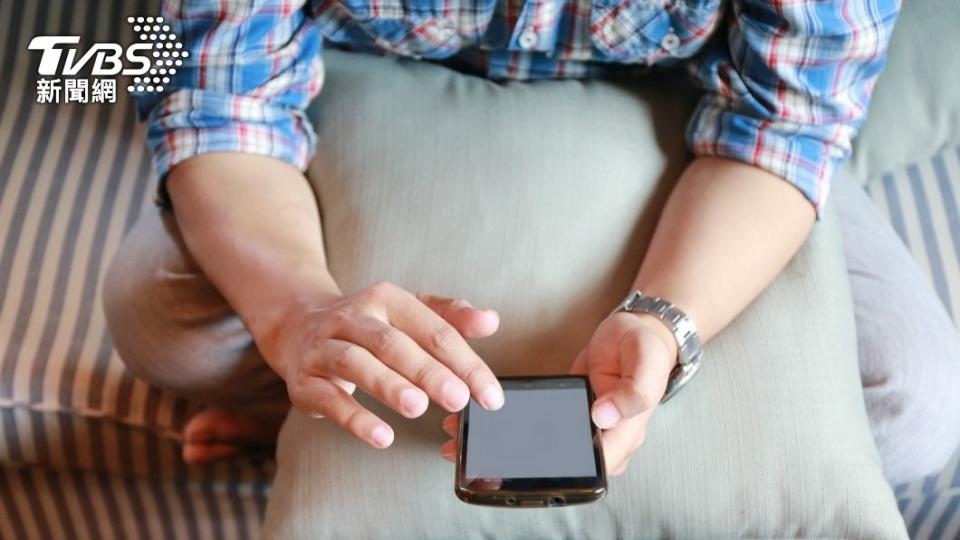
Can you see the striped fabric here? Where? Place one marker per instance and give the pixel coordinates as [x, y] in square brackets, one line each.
[923, 202]
[41, 503]
[87, 450]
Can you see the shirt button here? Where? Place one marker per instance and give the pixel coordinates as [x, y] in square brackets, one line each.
[670, 41]
[528, 39]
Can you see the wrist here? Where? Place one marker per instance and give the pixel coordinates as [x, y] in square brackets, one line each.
[659, 329]
[685, 335]
[281, 311]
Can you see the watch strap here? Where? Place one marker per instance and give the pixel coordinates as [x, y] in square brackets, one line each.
[689, 346]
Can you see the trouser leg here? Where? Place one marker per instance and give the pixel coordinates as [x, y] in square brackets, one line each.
[173, 328]
[909, 348]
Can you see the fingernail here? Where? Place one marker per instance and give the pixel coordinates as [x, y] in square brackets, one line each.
[605, 415]
[495, 317]
[492, 397]
[455, 395]
[412, 402]
[382, 436]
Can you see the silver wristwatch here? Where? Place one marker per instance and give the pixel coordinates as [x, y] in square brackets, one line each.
[689, 350]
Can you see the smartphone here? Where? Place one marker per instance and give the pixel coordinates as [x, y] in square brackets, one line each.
[540, 449]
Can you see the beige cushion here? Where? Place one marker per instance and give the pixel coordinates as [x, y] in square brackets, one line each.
[915, 109]
[538, 200]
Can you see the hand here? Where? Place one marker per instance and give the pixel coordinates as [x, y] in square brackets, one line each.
[628, 360]
[399, 347]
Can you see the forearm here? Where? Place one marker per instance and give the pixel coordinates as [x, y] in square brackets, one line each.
[726, 232]
[252, 225]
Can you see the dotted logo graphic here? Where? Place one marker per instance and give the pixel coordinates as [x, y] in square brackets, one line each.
[167, 55]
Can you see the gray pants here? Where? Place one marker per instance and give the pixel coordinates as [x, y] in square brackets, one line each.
[172, 328]
[908, 347]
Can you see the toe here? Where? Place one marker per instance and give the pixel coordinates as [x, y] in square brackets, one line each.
[200, 454]
[221, 426]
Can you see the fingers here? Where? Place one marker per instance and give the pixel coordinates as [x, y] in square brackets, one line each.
[442, 341]
[639, 379]
[354, 363]
[318, 397]
[471, 322]
[620, 443]
[392, 347]
[449, 451]
[621, 468]
[451, 425]
[400, 349]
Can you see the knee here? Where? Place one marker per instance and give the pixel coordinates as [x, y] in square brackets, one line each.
[173, 328]
[913, 404]
[134, 312]
[157, 305]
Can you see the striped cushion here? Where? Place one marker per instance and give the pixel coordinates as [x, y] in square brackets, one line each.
[72, 418]
[923, 203]
[37, 503]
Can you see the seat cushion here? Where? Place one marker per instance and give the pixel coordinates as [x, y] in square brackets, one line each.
[538, 200]
[37, 502]
[72, 180]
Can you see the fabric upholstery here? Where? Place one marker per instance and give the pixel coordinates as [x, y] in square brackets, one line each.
[72, 180]
[770, 440]
[40, 503]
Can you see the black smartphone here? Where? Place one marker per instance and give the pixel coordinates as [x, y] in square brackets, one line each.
[539, 449]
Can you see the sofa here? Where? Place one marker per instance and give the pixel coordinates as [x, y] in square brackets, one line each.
[89, 451]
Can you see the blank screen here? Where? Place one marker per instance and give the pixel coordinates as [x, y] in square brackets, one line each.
[538, 433]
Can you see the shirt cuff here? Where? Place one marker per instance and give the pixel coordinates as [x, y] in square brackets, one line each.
[803, 155]
[189, 123]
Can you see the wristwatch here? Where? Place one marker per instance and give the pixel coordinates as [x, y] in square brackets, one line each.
[689, 350]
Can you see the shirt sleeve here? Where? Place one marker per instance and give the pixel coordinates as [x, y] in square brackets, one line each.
[787, 86]
[250, 70]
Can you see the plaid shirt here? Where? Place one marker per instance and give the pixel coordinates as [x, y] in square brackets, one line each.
[785, 82]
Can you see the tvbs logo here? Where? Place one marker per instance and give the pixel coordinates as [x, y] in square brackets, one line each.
[152, 61]
[107, 57]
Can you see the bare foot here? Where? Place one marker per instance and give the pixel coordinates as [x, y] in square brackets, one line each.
[214, 434]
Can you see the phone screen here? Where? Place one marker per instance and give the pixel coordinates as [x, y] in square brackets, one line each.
[538, 433]
[539, 449]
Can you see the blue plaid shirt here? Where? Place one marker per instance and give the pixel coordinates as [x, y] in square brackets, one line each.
[785, 82]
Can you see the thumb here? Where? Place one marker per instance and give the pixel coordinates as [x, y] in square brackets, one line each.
[645, 365]
[471, 322]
